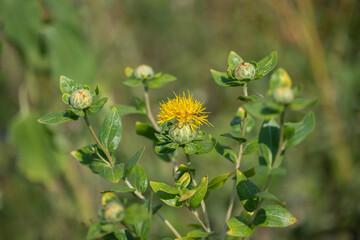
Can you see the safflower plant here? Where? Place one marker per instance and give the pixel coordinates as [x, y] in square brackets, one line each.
[176, 129]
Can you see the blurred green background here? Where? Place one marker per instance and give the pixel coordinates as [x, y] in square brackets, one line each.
[47, 194]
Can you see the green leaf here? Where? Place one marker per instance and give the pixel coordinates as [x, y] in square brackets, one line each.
[238, 227]
[183, 181]
[77, 112]
[192, 148]
[239, 138]
[186, 195]
[161, 80]
[135, 214]
[269, 196]
[166, 193]
[301, 103]
[111, 129]
[234, 60]
[247, 191]
[138, 178]
[66, 98]
[124, 110]
[221, 78]
[207, 145]
[146, 130]
[264, 110]
[302, 130]
[274, 216]
[68, 85]
[97, 106]
[184, 168]
[237, 122]
[218, 181]
[98, 229]
[251, 146]
[57, 118]
[87, 157]
[133, 161]
[164, 148]
[121, 189]
[250, 172]
[268, 63]
[38, 156]
[251, 98]
[226, 152]
[132, 82]
[269, 136]
[201, 190]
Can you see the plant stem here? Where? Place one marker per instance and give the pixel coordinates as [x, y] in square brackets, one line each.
[141, 197]
[107, 154]
[148, 109]
[197, 218]
[137, 193]
[277, 157]
[237, 166]
[203, 205]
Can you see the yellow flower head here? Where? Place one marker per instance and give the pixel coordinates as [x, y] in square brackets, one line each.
[185, 110]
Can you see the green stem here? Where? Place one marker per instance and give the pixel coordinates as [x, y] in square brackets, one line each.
[237, 166]
[141, 197]
[148, 109]
[203, 205]
[277, 157]
[107, 154]
[137, 193]
[197, 218]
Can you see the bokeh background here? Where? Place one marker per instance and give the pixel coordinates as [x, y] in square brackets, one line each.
[47, 194]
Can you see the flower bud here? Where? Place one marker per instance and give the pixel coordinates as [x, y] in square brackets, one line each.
[108, 197]
[114, 212]
[81, 99]
[144, 71]
[283, 95]
[182, 133]
[244, 70]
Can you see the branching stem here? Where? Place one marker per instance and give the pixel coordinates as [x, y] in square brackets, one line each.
[107, 154]
[237, 166]
[137, 193]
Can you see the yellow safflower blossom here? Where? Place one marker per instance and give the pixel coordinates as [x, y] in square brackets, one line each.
[185, 110]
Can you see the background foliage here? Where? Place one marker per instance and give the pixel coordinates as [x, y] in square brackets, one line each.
[46, 194]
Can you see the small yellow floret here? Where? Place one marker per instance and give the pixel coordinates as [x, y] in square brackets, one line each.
[185, 110]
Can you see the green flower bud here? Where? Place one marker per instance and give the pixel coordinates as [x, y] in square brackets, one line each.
[182, 133]
[283, 95]
[144, 71]
[114, 212]
[108, 197]
[81, 99]
[244, 70]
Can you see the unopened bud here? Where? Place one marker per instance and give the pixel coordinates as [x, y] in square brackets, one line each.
[283, 95]
[107, 197]
[182, 133]
[144, 71]
[81, 99]
[114, 212]
[244, 70]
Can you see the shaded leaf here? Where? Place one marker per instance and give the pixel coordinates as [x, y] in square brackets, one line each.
[97, 106]
[87, 157]
[301, 130]
[218, 181]
[146, 130]
[57, 118]
[226, 152]
[247, 191]
[133, 161]
[192, 148]
[221, 78]
[239, 138]
[138, 178]
[166, 193]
